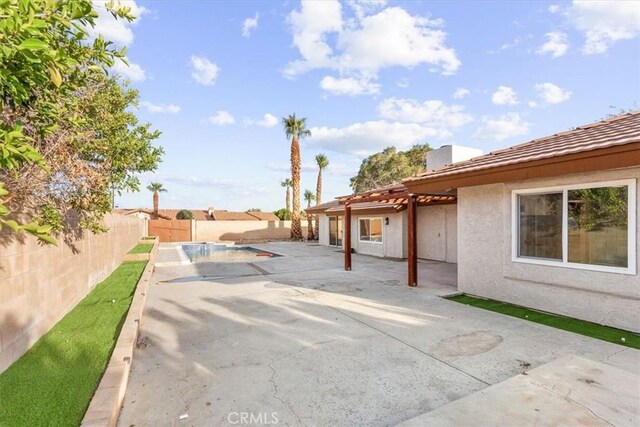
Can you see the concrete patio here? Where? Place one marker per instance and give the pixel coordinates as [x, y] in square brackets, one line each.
[300, 339]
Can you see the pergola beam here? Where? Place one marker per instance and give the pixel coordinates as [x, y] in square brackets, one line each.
[412, 241]
[347, 237]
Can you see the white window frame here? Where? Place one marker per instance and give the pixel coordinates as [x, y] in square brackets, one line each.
[564, 189]
[370, 218]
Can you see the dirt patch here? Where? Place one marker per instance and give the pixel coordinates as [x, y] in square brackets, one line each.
[467, 344]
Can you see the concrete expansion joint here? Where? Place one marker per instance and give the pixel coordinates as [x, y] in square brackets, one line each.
[275, 395]
[570, 400]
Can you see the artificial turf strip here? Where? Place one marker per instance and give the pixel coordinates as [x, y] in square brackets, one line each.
[142, 248]
[53, 383]
[577, 326]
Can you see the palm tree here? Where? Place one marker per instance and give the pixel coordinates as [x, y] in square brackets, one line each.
[287, 183]
[309, 197]
[295, 129]
[322, 162]
[156, 188]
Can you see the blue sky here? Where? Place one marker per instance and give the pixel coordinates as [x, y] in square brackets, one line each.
[216, 77]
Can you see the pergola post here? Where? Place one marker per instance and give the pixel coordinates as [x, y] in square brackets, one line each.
[347, 237]
[412, 241]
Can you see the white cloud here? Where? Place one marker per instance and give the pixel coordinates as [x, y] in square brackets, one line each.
[393, 37]
[364, 7]
[512, 44]
[434, 113]
[605, 22]
[532, 104]
[249, 25]
[268, 121]
[554, 8]
[349, 86]
[222, 118]
[552, 94]
[556, 44]
[116, 30]
[309, 26]
[504, 96]
[403, 83]
[133, 71]
[363, 139]
[204, 71]
[160, 108]
[359, 47]
[460, 93]
[502, 127]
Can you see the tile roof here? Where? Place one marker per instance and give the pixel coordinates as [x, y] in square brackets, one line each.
[322, 207]
[203, 215]
[620, 130]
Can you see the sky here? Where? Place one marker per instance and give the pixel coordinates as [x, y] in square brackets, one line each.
[216, 78]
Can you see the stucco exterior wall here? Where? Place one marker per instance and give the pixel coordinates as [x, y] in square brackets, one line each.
[243, 231]
[393, 238]
[485, 265]
[39, 284]
[437, 233]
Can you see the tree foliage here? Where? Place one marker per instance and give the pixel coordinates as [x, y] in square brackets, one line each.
[389, 166]
[184, 214]
[67, 141]
[283, 214]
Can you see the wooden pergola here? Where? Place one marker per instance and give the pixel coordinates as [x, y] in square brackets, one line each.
[399, 197]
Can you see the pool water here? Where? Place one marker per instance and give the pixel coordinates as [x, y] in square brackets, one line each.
[224, 253]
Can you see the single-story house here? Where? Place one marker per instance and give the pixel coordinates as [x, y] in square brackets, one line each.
[550, 224]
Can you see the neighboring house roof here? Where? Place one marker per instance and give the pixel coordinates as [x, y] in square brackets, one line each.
[607, 144]
[203, 215]
[264, 216]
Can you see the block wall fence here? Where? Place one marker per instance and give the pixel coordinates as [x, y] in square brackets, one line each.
[39, 283]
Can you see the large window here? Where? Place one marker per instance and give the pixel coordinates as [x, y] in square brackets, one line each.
[371, 230]
[590, 226]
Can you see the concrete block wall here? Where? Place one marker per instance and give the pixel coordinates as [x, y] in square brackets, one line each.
[39, 284]
[243, 231]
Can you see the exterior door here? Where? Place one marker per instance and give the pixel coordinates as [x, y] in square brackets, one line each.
[335, 231]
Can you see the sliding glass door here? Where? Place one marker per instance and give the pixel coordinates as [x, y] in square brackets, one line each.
[335, 231]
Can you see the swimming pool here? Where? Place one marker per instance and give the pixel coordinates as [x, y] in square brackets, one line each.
[212, 252]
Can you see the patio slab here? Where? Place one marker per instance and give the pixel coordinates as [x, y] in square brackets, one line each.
[303, 339]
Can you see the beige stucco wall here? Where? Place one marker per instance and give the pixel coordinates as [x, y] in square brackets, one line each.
[393, 237]
[39, 284]
[485, 266]
[241, 231]
[437, 233]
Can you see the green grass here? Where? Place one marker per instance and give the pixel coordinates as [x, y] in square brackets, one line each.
[53, 383]
[581, 327]
[142, 248]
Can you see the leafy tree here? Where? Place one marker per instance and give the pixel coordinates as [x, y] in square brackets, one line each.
[156, 188]
[322, 162]
[184, 214]
[48, 68]
[295, 129]
[283, 214]
[88, 159]
[389, 166]
[287, 183]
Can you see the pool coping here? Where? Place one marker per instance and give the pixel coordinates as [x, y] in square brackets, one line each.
[185, 260]
[106, 403]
